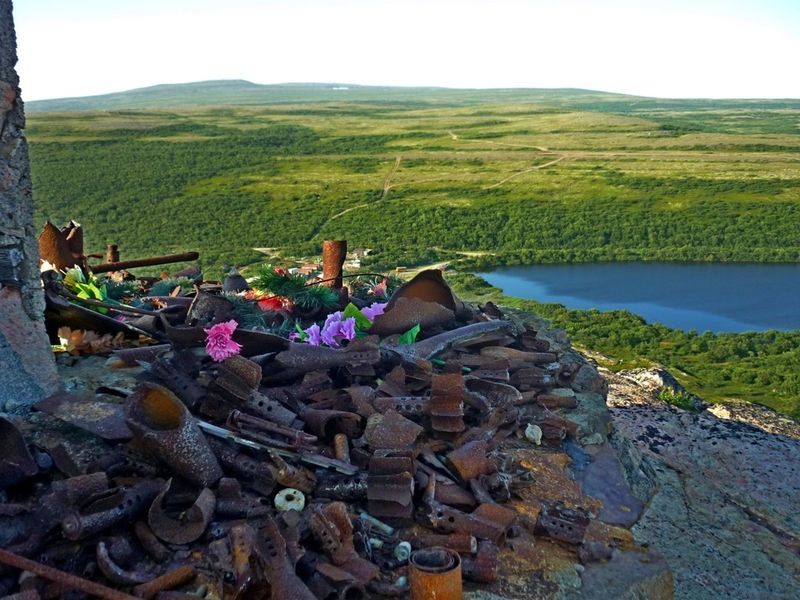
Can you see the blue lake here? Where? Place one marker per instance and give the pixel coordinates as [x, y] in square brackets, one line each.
[706, 297]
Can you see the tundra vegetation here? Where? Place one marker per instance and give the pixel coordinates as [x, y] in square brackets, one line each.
[476, 179]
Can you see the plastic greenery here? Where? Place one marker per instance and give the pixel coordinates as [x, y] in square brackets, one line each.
[85, 287]
[306, 296]
[166, 286]
[410, 336]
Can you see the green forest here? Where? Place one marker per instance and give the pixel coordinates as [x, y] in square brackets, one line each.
[472, 179]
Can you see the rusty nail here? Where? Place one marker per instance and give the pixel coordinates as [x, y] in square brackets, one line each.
[167, 581]
[60, 577]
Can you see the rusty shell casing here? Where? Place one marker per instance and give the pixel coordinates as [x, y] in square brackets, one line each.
[348, 488]
[132, 501]
[162, 423]
[447, 404]
[435, 573]
[334, 253]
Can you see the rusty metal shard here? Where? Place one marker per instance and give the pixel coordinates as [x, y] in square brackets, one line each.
[409, 406]
[16, 462]
[391, 430]
[405, 313]
[104, 419]
[471, 460]
[305, 357]
[503, 352]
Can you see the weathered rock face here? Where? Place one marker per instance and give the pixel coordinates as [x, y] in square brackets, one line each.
[27, 370]
[725, 511]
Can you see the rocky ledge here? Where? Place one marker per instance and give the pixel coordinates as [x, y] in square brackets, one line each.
[726, 481]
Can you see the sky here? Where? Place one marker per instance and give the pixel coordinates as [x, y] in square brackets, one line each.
[663, 48]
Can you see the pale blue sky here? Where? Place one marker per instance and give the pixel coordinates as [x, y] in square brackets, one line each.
[702, 48]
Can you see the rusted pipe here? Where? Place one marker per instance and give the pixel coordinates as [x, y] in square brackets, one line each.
[112, 253]
[334, 253]
[435, 573]
[144, 262]
[61, 578]
[341, 447]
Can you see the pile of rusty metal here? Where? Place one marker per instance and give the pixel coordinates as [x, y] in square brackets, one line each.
[298, 471]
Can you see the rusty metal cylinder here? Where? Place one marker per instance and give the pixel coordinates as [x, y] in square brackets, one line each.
[334, 253]
[435, 573]
[112, 253]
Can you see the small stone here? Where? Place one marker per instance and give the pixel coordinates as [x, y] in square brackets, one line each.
[534, 434]
[290, 499]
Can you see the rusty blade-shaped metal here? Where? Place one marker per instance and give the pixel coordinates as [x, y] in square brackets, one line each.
[429, 286]
[502, 352]
[471, 460]
[104, 419]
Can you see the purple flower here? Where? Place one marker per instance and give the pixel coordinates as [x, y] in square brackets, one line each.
[329, 333]
[373, 310]
[219, 344]
[314, 337]
[347, 328]
[294, 336]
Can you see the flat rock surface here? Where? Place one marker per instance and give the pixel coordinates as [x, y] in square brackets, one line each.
[725, 514]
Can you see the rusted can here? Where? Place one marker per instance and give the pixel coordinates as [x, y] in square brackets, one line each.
[435, 573]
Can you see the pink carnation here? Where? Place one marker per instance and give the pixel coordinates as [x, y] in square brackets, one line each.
[219, 342]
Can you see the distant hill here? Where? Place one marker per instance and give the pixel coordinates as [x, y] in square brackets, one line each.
[239, 92]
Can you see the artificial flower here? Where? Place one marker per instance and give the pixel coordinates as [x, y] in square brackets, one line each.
[374, 310]
[314, 336]
[219, 342]
[347, 329]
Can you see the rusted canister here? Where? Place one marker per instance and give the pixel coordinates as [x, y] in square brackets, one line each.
[435, 573]
[334, 253]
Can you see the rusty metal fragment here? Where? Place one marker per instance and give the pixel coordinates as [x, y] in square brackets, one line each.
[104, 419]
[305, 357]
[56, 250]
[16, 462]
[435, 573]
[502, 352]
[405, 313]
[115, 573]
[333, 529]
[348, 488]
[190, 524]
[495, 393]
[163, 425]
[391, 430]
[430, 286]
[564, 524]
[482, 568]
[471, 460]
